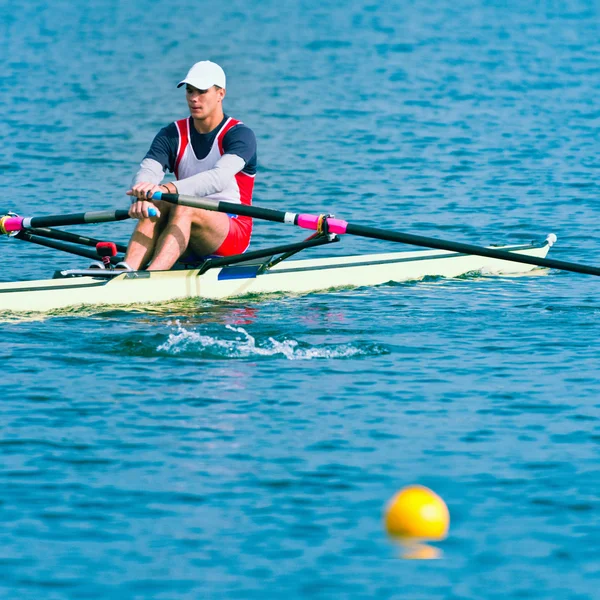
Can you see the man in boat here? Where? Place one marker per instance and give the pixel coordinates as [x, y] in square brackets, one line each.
[212, 155]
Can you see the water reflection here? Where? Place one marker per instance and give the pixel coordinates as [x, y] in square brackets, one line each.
[413, 549]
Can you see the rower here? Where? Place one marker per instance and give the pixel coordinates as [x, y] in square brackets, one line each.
[212, 155]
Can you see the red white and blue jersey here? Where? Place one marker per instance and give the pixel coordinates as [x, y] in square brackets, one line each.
[181, 149]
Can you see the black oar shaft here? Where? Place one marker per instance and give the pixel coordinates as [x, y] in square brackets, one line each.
[94, 216]
[427, 242]
[266, 214]
[74, 238]
[62, 246]
[12, 223]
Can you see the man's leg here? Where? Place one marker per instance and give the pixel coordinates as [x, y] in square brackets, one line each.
[202, 230]
[143, 241]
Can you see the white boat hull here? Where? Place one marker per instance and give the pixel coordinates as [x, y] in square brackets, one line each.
[299, 276]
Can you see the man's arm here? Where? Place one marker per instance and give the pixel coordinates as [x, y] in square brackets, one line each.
[159, 158]
[150, 170]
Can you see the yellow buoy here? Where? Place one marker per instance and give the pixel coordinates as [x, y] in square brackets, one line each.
[417, 512]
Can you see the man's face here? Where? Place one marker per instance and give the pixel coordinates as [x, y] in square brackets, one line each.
[203, 103]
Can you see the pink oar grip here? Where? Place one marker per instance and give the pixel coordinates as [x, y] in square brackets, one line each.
[12, 224]
[312, 222]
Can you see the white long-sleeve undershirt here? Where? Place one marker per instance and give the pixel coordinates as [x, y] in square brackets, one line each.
[202, 184]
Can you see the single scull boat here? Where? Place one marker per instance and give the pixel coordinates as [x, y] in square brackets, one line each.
[76, 287]
[256, 272]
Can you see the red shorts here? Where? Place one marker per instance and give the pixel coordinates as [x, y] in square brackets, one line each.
[238, 238]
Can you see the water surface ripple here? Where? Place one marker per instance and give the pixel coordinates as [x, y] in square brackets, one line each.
[247, 448]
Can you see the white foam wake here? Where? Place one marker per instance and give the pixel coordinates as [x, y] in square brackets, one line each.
[244, 345]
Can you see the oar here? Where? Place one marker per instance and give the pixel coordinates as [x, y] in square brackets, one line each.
[13, 223]
[67, 236]
[28, 236]
[314, 222]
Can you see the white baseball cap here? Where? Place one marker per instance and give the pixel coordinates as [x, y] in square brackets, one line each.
[203, 75]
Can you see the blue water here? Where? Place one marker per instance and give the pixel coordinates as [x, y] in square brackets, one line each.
[247, 449]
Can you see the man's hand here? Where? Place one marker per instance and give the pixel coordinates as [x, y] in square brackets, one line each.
[139, 210]
[141, 199]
